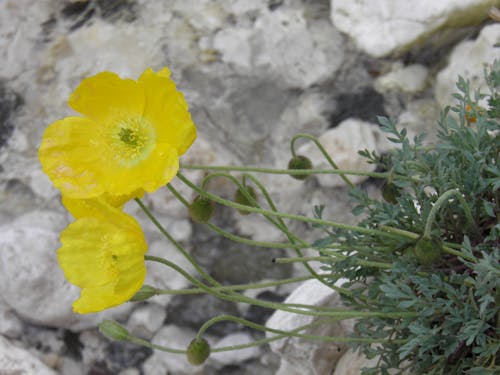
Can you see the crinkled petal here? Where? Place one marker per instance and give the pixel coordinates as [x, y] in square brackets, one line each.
[106, 96]
[166, 108]
[95, 250]
[69, 154]
[80, 208]
[157, 170]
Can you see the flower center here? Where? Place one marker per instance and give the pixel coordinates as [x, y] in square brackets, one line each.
[132, 140]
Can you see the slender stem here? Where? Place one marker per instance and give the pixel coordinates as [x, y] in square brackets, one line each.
[280, 224]
[332, 313]
[242, 207]
[277, 337]
[177, 245]
[238, 286]
[444, 198]
[323, 151]
[235, 168]
[236, 238]
[359, 262]
[261, 327]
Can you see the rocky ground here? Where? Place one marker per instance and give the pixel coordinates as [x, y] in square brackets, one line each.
[254, 74]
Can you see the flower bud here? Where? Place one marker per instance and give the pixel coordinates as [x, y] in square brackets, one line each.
[240, 198]
[428, 251]
[113, 330]
[144, 293]
[390, 192]
[201, 209]
[299, 162]
[198, 351]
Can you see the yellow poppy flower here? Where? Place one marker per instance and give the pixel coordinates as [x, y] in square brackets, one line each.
[129, 140]
[91, 207]
[103, 254]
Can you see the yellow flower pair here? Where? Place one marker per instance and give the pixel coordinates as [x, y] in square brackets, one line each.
[128, 142]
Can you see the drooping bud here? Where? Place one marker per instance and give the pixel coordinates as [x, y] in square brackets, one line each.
[198, 351]
[144, 293]
[201, 209]
[390, 192]
[428, 251]
[240, 198]
[299, 162]
[113, 330]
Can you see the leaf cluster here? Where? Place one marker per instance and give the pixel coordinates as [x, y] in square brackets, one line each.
[456, 299]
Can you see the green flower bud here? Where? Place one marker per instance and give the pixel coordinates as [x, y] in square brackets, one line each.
[299, 162]
[240, 198]
[428, 251]
[113, 330]
[144, 293]
[390, 192]
[198, 351]
[201, 209]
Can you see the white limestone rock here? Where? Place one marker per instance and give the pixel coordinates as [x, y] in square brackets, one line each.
[342, 143]
[146, 320]
[301, 56]
[309, 357]
[10, 325]
[408, 79]
[161, 362]
[382, 27]
[467, 60]
[234, 357]
[163, 277]
[17, 361]
[31, 281]
[352, 362]
[233, 43]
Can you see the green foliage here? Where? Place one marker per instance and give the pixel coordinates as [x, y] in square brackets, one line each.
[457, 328]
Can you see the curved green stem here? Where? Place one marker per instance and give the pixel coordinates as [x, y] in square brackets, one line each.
[236, 287]
[444, 198]
[177, 245]
[234, 168]
[359, 262]
[260, 327]
[242, 207]
[234, 297]
[280, 224]
[322, 150]
[268, 340]
[277, 222]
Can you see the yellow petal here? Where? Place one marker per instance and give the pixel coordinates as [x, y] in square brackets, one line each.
[106, 96]
[69, 154]
[150, 174]
[166, 108]
[96, 250]
[80, 208]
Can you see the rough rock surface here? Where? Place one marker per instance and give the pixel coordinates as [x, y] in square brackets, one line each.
[467, 60]
[254, 73]
[309, 357]
[18, 361]
[385, 26]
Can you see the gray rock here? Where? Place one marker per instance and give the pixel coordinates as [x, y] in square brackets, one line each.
[309, 357]
[408, 79]
[382, 27]
[17, 361]
[10, 325]
[234, 357]
[467, 60]
[146, 320]
[342, 144]
[28, 263]
[299, 55]
[161, 362]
